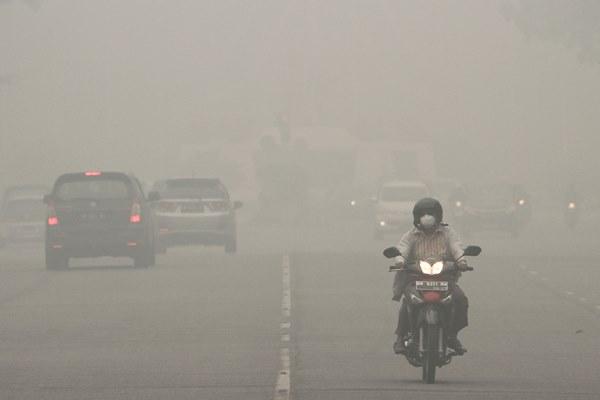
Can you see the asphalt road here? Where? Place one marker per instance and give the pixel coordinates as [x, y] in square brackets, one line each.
[204, 325]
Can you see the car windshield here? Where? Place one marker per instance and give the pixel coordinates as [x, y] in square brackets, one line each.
[93, 188]
[491, 195]
[403, 193]
[25, 210]
[192, 188]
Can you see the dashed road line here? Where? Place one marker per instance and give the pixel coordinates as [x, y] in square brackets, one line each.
[567, 294]
[283, 385]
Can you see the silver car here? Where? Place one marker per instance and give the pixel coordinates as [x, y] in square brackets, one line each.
[22, 219]
[195, 211]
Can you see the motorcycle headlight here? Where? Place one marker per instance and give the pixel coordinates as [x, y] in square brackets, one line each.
[429, 269]
[437, 268]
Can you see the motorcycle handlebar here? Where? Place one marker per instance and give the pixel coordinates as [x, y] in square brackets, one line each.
[413, 268]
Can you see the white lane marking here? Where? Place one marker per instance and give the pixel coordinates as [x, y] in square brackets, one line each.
[568, 293]
[283, 385]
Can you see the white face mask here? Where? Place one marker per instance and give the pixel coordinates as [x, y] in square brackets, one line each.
[427, 221]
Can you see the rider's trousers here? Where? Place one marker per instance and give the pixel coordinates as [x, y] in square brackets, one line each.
[461, 308]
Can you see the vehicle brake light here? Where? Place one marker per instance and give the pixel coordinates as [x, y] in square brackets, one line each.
[52, 217]
[136, 211]
[93, 173]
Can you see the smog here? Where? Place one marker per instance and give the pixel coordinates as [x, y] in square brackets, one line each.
[196, 197]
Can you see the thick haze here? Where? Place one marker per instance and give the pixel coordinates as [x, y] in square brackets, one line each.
[124, 85]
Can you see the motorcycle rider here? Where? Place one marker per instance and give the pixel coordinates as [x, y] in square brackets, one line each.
[430, 238]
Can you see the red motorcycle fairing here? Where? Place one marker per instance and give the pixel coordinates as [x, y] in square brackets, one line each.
[432, 297]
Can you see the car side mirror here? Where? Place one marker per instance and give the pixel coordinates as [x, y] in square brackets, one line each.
[391, 252]
[48, 198]
[237, 205]
[153, 196]
[472, 251]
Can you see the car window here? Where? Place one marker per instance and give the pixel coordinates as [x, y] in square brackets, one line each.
[25, 209]
[93, 189]
[193, 188]
[402, 193]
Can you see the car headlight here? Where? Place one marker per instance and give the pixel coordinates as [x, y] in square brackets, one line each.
[458, 204]
[522, 202]
[572, 205]
[382, 223]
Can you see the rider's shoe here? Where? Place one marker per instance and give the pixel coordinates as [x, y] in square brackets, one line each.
[456, 345]
[399, 346]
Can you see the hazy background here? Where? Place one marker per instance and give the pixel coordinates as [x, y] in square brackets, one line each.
[124, 85]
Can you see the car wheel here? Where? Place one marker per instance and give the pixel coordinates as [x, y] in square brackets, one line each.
[161, 249]
[56, 261]
[231, 245]
[143, 259]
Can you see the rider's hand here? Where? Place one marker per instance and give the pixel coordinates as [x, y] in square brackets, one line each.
[462, 265]
[400, 262]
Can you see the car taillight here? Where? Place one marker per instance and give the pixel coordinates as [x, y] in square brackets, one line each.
[136, 214]
[52, 217]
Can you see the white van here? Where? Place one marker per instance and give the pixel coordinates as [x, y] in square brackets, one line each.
[394, 205]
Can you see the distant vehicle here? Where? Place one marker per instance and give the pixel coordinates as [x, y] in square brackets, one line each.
[195, 211]
[497, 207]
[13, 192]
[394, 205]
[96, 214]
[443, 189]
[22, 219]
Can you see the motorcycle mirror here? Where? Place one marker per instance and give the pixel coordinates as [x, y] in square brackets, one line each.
[472, 251]
[391, 252]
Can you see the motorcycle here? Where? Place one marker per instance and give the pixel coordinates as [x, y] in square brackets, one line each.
[430, 309]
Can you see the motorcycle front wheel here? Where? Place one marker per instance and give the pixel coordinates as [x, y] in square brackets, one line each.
[430, 359]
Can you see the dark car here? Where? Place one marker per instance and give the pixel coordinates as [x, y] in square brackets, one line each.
[195, 211]
[500, 206]
[97, 214]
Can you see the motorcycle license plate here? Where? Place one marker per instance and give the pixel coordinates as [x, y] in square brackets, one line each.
[432, 286]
